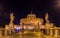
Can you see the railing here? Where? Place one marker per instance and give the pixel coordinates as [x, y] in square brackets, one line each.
[4, 33]
[55, 32]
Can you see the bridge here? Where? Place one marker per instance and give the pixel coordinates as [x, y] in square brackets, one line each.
[47, 33]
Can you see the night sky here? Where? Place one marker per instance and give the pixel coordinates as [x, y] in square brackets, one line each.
[21, 8]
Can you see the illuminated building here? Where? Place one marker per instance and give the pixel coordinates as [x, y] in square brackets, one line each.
[32, 22]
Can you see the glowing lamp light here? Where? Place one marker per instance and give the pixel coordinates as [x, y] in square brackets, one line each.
[17, 28]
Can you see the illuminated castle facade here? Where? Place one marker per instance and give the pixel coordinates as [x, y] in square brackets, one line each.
[32, 22]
